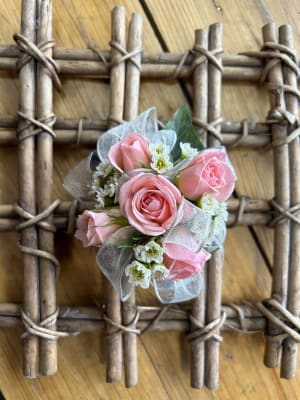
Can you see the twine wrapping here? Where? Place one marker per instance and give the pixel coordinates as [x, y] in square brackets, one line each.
[200, 55]
[281, 317]
[124, 55]
[243, 202]
[203, 333]
[240, 314]
[42, 125]
[123, 328]
[210, 127]
[274, 58]
[99, 53]
[154, 322]
[42, 329]
[38, 220]
[240, 140]
[283, 213]
[36, 52]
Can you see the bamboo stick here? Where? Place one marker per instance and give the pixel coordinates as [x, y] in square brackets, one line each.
[200, 112]
[117, 90]
[97, 69]
[253, 206]
[254, 128]
[67, 132]
[257, 212]
[147, 313]
[89, 138]
[83, 319]
[48, 348]
[282, 195]
[61, 223]
[26, 155]
[147, 58]
[11, 51]
[130, 112]
[290, 348]
[215, 265]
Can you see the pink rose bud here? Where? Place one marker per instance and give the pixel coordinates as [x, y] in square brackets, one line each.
[150, 203]
[182, 262]
[93, 228]
[130, 153]
[208, 173]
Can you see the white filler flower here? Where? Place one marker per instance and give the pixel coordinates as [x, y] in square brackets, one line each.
[159, 271]
[187, 151]
[139, 274]
[109, 189]
[150, 252]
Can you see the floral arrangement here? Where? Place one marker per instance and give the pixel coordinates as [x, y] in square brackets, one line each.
[160, 207]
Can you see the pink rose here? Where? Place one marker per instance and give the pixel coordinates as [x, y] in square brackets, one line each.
[183, 262]
[130, 153]
[150, 203]
[93, 228]
[208, 173]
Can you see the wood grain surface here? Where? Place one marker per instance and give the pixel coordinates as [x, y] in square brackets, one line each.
[163, 357]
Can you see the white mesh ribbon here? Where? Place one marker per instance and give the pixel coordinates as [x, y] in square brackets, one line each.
[176, 291]
[189, 233]
[145, 124]
[192, 229]
[78, 181]
[112, 260]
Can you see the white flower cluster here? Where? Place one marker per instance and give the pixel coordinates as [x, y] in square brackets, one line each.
[213, 207]
[219, 214]
[147, 266]
[160, 157]
[187, 151]
[110, 187]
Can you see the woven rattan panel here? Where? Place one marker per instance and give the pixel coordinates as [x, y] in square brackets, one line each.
[36, 216]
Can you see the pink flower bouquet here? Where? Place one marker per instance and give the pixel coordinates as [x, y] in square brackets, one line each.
[160, 206]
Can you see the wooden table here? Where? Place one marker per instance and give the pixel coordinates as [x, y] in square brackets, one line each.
[163, 364]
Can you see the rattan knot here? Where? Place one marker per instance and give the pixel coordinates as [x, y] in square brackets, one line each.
[284, 141]
[42, 329]
[36, 219]
[200, 55]
[277, 53]
[33, 220]
[283, 213]
[242, 321]
[42, 254]
[209, 55]
[241, 139]
[42, 125]
[154, 322]
[178, 68]
[120, 328]
[99, 53]
[124, 55]
[203, 333]
[79, 131]
[283, 88]
[36, 52]
[279, 114]
[210, 127]
[281, 317]
[243, 202]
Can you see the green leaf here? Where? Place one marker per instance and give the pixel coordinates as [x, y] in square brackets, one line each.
[181, 123]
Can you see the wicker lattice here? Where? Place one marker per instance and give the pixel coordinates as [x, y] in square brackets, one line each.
[36, 216]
